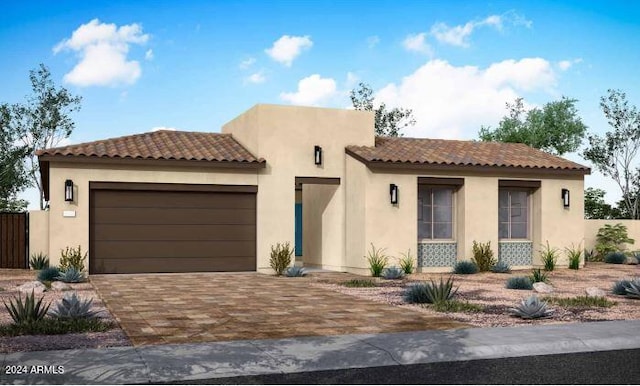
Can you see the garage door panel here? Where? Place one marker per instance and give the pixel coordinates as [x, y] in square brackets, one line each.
[171, 248]
[183, 216]
[138, 199]
[160, 232]
[178, 264]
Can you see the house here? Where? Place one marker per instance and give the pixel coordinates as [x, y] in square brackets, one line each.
[171, 201]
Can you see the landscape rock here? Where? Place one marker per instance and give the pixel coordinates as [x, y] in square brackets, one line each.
[60, 286]
[542, 288]
[34, 286]
[631, 260]
[595, 292]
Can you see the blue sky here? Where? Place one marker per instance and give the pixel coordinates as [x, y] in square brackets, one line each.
[195, 65]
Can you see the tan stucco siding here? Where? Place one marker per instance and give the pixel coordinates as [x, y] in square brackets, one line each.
[38, 232]
[323, 226]
[355, 214]
[74, 231]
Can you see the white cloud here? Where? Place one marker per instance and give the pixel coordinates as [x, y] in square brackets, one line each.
[102, 50]
[459, 35]
[287, 48]
[454, 101]
[373, 41]
[149, 54]
[564, 65]
[417, 43]
[312, 90]
[245, 64]
[165, 128]
[256, 78]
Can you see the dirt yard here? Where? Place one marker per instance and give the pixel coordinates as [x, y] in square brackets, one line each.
[488, 290]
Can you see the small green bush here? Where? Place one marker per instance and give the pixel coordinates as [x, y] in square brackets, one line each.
[72, 258]
[406, 262]
[54, 326]
[392, 273]
[581, 302]
[280, 257]
[615, 258]
[457, 306]
[501, 267]
[537, 275]
[28, 311]
[549, 257]
[465, 268]
[611, 238]
[519, 283]
[48, 274]
[574, 254]
[295, 272]
[430, 292]
[377, 261]
[39, 261]
[483, 256]
[359, 283]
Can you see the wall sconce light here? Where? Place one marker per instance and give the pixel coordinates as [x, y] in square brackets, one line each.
[68, 190]
[565, 198]
[393, 192]
[317, 155]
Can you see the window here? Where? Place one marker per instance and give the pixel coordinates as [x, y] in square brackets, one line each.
[435, 213]
[513, 212]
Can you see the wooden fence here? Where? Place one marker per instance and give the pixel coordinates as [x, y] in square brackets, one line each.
[14, 240]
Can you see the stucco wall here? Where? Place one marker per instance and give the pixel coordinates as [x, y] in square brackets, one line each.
[285, 136]
[591, 228]
[38, 232]
[323, 226]
[74, 231]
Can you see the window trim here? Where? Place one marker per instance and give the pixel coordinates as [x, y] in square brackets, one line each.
[529, 193]
[453, 238]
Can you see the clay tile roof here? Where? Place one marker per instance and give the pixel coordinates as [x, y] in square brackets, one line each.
[162, 145]
[424, 151]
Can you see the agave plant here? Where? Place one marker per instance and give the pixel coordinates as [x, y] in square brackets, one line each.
[28, 311]
[71, 307]
[501, 267]
[633, 289]
[49, 274]
[532, 308]
[71, 275]
[295, 272]
[39, 261]
[430, 292]
[392, 273]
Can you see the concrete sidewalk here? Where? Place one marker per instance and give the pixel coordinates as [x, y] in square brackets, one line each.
[154, 364]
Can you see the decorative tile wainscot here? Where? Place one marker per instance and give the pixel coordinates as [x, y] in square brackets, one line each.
[437, 254]
[516, 253]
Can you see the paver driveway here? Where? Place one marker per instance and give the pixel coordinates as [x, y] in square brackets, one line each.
[204, 307]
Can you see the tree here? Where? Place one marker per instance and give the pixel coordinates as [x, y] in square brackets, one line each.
[615, 154]
[43, 121]
[595, 207]
[388, 123]
[556, 128]
[13, 178]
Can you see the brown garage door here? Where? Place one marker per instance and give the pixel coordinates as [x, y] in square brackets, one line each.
[137, 231]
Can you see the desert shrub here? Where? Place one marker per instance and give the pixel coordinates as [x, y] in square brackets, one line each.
[532, 308]
[611, 238]
[519, 283]
[280, 257]
[71, 275]
[457, 306]
[39, 261]
[55, 326]
[430, 292]
[295, 272]
[406, 262]
[377, 261]
[359, 283]
[483, 256]
[581, 302]
[549, 257]
[27, 311]
[71, 307]
[72, 258]
[48, 274]
[538, 275]
[392, 273]
[501, 267]
[465, 268]
[573, 255]
[615, 258]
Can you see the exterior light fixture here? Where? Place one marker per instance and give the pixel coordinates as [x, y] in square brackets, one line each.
[68, 190]
[317, 155]
[393, 192]
[565, 198]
